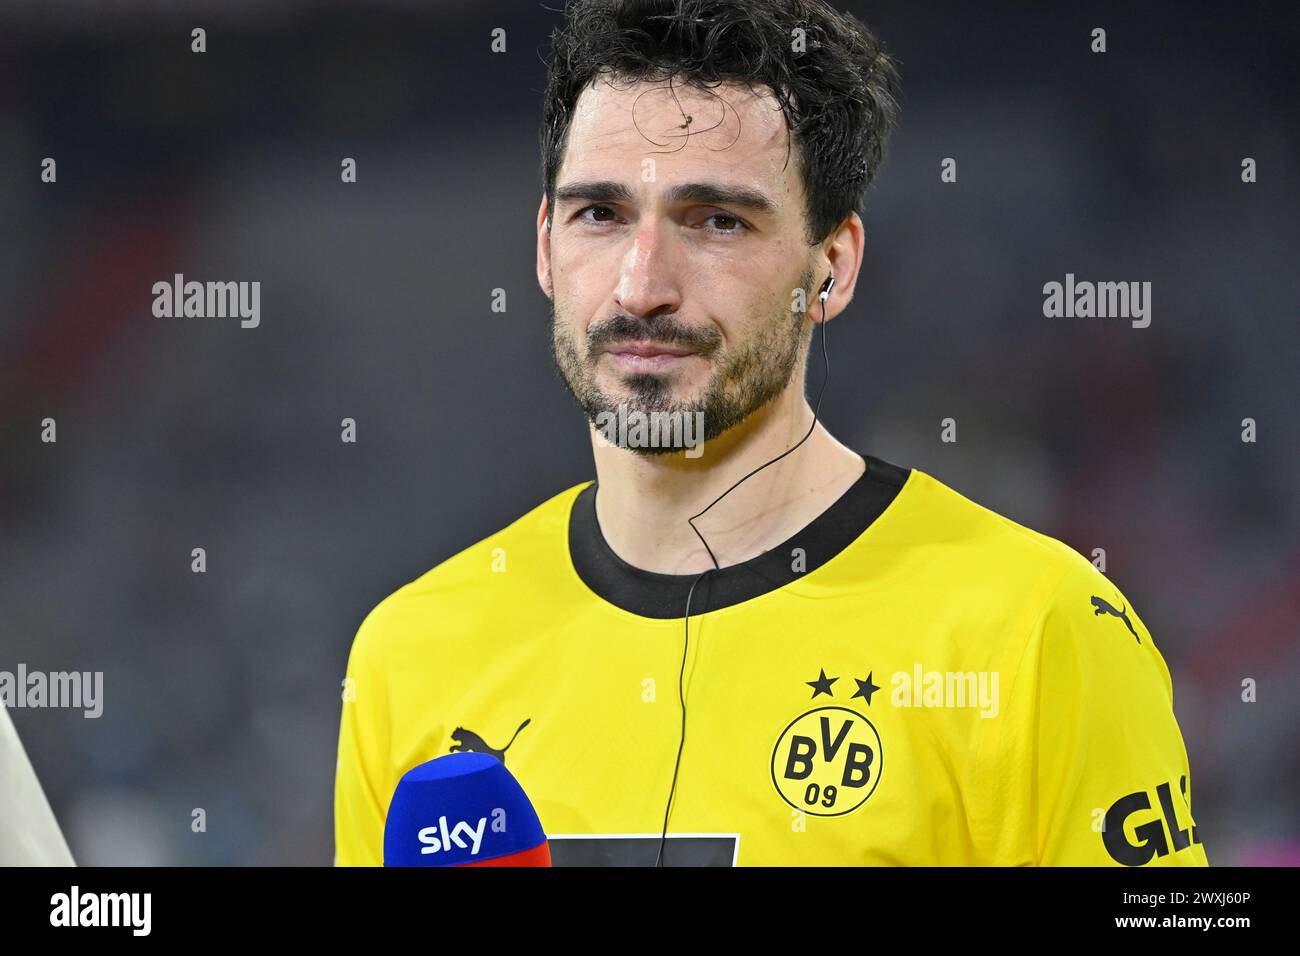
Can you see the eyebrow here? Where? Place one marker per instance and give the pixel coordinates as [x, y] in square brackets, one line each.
[713, 194]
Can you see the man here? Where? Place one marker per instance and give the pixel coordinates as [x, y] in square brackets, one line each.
[836, 660]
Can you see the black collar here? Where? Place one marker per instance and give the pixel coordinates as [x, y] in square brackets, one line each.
[663, 596]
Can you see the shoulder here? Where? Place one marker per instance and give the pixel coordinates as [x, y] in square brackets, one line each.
[973, 547]
[480, 573]
[1063, 623]
[1007, 586]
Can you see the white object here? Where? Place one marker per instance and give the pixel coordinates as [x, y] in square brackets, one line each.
[29, 834]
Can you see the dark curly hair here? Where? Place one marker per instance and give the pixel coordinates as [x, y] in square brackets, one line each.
[839, 95]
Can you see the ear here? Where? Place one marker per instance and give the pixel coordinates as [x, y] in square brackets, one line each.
[844, 261]
[544, 249]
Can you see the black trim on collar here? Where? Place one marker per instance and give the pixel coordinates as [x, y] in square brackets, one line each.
[663, 596]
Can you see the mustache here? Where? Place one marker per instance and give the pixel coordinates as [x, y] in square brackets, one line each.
[661, 328]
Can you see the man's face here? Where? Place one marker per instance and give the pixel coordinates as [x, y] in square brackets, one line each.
[677, 239]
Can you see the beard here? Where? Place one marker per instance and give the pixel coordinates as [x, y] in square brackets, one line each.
[742, 381]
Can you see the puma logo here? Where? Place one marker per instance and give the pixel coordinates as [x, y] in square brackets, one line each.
[467, 740]
[1103, 607]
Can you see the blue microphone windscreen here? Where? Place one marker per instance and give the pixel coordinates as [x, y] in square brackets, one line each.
[456, 809]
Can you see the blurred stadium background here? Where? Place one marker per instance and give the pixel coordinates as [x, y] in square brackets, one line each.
[222, 689]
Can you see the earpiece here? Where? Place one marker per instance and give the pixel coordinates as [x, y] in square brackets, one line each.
[686, 622]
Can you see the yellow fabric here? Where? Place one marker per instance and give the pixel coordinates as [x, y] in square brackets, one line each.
[506, 632]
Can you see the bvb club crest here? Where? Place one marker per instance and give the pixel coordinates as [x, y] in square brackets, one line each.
[827, 761]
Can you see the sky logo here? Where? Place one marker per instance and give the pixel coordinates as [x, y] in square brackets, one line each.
[439, 838]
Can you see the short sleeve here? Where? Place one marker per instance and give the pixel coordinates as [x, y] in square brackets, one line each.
[1110, 780]
[360, 798]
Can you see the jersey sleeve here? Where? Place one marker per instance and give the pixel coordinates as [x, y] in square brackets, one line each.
[360, 782]
[1110, 783]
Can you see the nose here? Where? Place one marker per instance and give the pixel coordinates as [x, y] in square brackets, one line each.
[648, 285]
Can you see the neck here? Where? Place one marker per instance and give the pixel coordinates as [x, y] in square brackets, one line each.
[643, 501]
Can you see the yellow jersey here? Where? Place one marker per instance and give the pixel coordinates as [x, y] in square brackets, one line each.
[912, 679]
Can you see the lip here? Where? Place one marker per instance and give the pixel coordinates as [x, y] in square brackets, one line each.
[648, 356]
[647, 349]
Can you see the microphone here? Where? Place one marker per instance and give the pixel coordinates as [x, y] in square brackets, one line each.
[463, 809]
